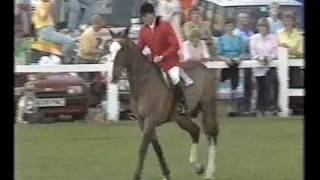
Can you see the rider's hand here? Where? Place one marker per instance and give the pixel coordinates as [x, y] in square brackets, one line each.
[228, 61]
[157, 59]
[146, 51]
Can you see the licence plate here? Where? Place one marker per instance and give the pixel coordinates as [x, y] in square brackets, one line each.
[51, 102]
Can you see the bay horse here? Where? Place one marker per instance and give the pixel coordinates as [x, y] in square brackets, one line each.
[153, 102]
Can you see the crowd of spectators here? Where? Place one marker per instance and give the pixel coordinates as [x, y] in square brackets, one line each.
[236, 42]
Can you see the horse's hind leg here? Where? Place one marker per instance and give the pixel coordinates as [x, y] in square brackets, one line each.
[210, 126]
[194, 131]
[157, 148]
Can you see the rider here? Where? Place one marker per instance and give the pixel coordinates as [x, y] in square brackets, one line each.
[44, 24]
[158, 39]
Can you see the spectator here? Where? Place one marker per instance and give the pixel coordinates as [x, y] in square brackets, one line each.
[44, 25]
[195, 49]
[245, 32]
[170, 11]
[24, 16]
[59, 13]
[186, 6]
[80, 12]
[196, 22]
[89, 52]
[276, 24]
[230, 49]
[263, 48]
[292, 39]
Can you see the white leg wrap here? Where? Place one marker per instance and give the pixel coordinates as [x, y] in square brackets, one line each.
[113, 102]
[211, 162]
[20, 109]
[193, 153]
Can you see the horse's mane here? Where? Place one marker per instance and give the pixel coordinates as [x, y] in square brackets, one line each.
[145, 60]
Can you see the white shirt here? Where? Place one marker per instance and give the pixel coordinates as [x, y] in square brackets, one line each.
[195, 53]
[261, 47]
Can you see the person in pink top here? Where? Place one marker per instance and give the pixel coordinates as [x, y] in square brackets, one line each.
[263, 48]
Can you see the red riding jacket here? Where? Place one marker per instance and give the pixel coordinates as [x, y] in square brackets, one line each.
[162, 41]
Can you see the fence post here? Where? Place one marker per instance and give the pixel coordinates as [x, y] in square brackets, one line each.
[283, 74]
[112, 95]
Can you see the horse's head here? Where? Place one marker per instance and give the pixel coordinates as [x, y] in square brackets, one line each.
[120, 52]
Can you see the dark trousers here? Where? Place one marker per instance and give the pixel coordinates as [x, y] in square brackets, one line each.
[246, 102]
[296, 77]
[262, 93]
[296, 81]
[231, 73]
[273, 86]
[87, 76]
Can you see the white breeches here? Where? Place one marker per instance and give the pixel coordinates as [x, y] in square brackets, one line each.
[174, 74]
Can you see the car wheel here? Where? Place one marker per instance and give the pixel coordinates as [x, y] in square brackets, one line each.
[79, 117]
[48, 120]
[33, 118]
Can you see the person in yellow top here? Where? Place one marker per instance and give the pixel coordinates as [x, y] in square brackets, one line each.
[43, 20]
[292, 39]
[89, 51]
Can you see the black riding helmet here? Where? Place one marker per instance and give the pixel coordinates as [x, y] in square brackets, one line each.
[146, 8]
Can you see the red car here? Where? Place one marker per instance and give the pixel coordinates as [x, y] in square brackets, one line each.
[59, 94]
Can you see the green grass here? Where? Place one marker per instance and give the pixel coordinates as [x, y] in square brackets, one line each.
[248, 149]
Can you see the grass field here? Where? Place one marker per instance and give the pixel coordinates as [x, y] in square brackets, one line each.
[248, 149]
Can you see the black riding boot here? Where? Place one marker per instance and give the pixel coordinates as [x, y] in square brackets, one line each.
[182, 107]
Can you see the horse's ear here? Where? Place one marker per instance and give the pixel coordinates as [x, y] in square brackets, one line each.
[113, 35]
[126, 32]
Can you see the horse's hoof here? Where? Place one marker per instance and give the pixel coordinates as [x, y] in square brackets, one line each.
[167, 177]
[209, 178]
[199, 168]
[136, 178]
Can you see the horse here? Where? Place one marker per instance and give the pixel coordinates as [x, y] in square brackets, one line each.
[154, 103]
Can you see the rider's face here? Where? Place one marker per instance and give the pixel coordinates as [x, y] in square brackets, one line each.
[148, 18]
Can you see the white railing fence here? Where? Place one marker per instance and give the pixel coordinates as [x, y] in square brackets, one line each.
[282, 65]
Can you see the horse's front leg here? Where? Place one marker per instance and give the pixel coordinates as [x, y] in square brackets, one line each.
[157, 148]
[146, 139]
